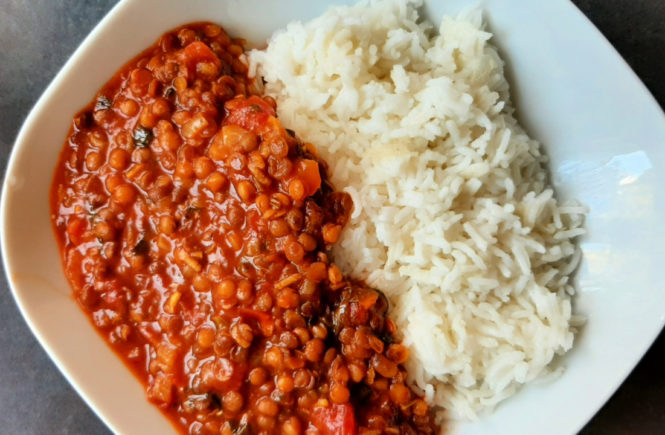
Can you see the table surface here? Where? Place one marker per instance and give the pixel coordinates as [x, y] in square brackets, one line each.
[37, 37]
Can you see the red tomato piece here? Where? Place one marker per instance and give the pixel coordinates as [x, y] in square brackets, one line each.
[195, 53]
[251, 114]
[335, 420]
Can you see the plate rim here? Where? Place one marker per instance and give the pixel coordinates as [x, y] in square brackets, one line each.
[36, 111]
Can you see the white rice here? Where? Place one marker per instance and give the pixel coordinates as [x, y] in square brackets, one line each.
[454, 216]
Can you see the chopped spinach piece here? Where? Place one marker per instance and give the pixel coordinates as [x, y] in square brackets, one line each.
[215, 401]
[387, 338]
[142, 247]
[102, 103]
[360, 393]
[169, 92]
[142, 137]
[190, 211]
[302, 152]
[382, 303]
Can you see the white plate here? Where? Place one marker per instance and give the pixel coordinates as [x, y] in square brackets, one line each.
[603, 130]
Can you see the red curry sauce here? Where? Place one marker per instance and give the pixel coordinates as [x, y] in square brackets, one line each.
[194, 231]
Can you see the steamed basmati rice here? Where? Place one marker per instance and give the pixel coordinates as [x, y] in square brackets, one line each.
[454, 217]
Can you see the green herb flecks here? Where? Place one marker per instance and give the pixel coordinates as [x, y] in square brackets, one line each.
[102, 103]
[191, 211]
[142, 247]
[142, 137]
[169, 92]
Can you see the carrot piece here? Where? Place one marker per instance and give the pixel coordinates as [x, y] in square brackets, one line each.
[308, 171]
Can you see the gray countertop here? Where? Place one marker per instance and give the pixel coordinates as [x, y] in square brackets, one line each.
[37, 37]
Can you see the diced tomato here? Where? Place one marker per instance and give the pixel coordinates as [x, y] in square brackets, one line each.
[335, 420]
[251, 113]
[195, 53]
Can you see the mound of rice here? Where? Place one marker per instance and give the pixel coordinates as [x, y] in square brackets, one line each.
[454, 218]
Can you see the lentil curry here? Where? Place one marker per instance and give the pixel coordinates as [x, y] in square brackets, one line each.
[194, 230]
